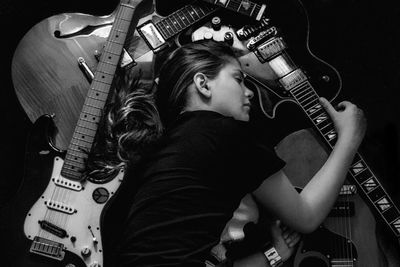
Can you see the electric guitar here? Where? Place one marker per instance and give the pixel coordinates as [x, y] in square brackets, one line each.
[276, 78]
[55, 219]
[53, 63]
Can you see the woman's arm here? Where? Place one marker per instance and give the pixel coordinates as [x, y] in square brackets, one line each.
[304, 212]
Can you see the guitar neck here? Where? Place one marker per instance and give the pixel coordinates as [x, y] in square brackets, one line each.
[244, 7]
[307, 98]
[86, 128]
[182, 19]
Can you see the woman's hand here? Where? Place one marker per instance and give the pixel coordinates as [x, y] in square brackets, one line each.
[349, 121]
[284, 239]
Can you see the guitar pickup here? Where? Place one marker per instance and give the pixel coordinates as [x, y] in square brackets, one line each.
[52, 228]
[59, 206]
[47, 248]
[152, 36]
[342, 209]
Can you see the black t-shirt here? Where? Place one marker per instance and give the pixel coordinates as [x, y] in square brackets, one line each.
[190, 187]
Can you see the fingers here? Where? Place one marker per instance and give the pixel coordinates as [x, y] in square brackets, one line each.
[291, 237]
[327, 106]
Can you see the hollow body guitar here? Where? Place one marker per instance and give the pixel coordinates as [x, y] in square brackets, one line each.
[55, 217]
[347, 238]
[52, 65]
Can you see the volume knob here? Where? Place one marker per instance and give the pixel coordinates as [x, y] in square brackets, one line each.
[216, 23]
[228, 38]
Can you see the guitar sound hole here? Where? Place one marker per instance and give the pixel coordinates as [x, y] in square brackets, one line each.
[313, 262]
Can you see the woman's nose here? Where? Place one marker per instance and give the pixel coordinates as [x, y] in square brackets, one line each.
[249, 93]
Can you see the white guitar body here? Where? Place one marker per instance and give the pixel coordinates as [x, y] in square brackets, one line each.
[76, 210]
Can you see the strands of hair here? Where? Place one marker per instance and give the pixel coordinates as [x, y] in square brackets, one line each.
[130, 124]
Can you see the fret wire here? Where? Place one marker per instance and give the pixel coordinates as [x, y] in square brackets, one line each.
[188, 15]
[177, 21]
[301, 87]
[74, 154]
[161, 25]
[313, 103]
[86, 134]
[72, 159]
[83, 133]
[316, 113]
[94, 129]
[168, 27]
[173, 26]
[199, 10]
[329, 124]
[86, 121]
[194, 12]
[80, 145]
[306, 93]
[89, 111]
[184, 19]
[80, 140]
[312, 96]
[95, 102]
[75, 164]
[252, 10]
[161, 29]
[235, 5]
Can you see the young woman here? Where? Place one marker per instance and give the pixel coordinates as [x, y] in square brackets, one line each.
[191, 179]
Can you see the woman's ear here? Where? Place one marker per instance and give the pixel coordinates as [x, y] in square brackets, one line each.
[201, 84]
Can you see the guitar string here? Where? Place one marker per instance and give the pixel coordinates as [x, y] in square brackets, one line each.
[60, 194]
[343, 246]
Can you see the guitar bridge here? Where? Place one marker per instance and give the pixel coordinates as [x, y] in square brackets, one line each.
[47, 248]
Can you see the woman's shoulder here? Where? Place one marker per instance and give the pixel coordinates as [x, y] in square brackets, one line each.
[214, 120]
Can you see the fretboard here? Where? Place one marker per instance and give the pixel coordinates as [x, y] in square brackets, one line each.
[182, 19]
[307, 98]
[86, 128]
[244, 7]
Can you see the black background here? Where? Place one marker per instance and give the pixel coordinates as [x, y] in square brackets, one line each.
[360, 38]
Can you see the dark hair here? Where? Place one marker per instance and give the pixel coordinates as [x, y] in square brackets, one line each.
[136, 116]
[177, 72]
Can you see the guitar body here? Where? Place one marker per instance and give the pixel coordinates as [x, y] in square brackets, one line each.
[273, 75]
[21, 216]
[304, 155]
[292, 19]
[45, 70]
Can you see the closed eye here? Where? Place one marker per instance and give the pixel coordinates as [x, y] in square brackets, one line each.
[239, 79]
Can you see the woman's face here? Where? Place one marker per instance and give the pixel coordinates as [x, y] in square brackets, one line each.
[229, 95]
